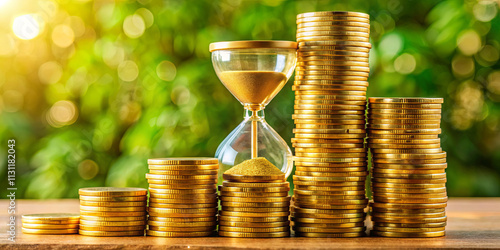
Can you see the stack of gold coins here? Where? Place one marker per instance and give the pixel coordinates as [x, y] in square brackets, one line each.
[330, 102]
[112, 211]
[408, 173]
[52, 223]
[254, 206]
[182, 197]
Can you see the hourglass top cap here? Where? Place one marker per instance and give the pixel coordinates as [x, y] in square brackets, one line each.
[252, 44]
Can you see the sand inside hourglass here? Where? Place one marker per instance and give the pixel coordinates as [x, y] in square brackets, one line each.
[253, 87]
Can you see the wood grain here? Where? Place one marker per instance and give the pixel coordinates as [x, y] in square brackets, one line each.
[472, 223]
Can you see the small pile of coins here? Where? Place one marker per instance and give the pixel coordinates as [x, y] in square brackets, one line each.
[182, 197]
[254, 206]
[330, 103]
[52, 223]
[112, 211]
[408, 171]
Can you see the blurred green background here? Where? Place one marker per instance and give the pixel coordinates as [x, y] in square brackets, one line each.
[91, 89]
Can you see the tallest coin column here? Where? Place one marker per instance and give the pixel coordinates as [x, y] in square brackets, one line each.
[330, 101]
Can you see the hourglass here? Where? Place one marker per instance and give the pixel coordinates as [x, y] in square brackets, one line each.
[254, 72]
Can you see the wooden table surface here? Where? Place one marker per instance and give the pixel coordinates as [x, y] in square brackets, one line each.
[472, 223]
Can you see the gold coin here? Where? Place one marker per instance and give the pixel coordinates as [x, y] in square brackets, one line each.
[175, 205]
[254, 189]
[403, 106]
[403, 141]
[402, 117]
[408, 185]
[254, 235]
[254, 225]
[330, 92]
[330, 77]
[177, 200]
[333, 23]
[173, 215]
[402, 136]
[330, 159]
[330, 43]
[416, 181]
[183, 182]
[331, 112]
[305, 202]
[183, 219]
[49, 231]
[332, 61]
[113, 214]
[255, 185]
[324, 205]
[179, 234]
[182, 224]
[184, 167]
[183, 196]
[112, 191]
[249, 214]
[329, 225]
[329, 87]
[253, 199]
[113, 199]
[112, 229]
[331, 164]
[409, 190]
[254, 229]
[404, 111]
[318, 192]
[329, 230]
[47, 217]
[409, 234]
[113, 209]
[328, 131]
[330, 235]
[183, 187]
[253, 219]
[328, 102]
[254, 178]
[253, 194]
[180, 177]
[331, 170]
[404, 121]
[409, 161]
[331, 174]
[183, 210]
[51, 222]
[183, 161]
[406, 100]
[335, 83]
[330, 183]
[113, 219]
[326, 155]
[182, 229]
[330, 97]
[409, 220]
[182, 191]
[112, 223]
[333, 50]
[331, 28]
[409, 176]
[332, 68]
[348, 212]
[331, 150]
[326, 145]
[332, 199]
[327, 188]
[403, 126]
[329, 136]
[333, 13]
[333, 33]
[335, 116]
[405, 131]
[111, 233]
[411, 156]
[410, 225]
[255, 204]
[308, 220]
[330, 108]
[113, 203]
[407, 211]
[384, 195]
[50, 226]
[408, 215]
[256, 209]
[301, 73]
[339, 38]
[404, 146]
[407, 171]
[410, 200]
[332, 18]
[183, 172]
[397, 229]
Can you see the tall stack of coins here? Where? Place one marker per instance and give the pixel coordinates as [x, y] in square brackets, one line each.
[408, 173]
[111, 211]
[52, 223]
[254, 206]
[182, 197]
[330, 102]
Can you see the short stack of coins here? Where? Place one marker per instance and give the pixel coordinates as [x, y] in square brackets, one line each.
[408, 171]
[330, 102]
[51, 223]
[254, 206]
[182, 197]
[112, 211]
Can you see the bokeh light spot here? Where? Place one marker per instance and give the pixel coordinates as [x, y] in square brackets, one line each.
[27, 26]
[469, 42]
[391, 45]
[63, 36]
[128, 71]
[485, 11]
[166, 71]
[134, 26]
[62, 113]
[147, 16]
[50, 72]
[462, 66]
[180, 95]
[489, 53]
[405, 63]
[494, 82]
[88, 169]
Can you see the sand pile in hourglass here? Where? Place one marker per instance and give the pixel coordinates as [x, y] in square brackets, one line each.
[330, 101]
